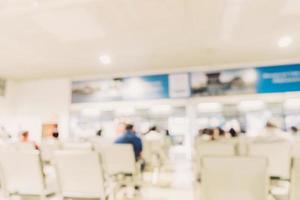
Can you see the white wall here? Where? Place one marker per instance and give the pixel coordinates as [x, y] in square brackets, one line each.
[6, 101]
[7, 108]
[42, 101]
[29, 104]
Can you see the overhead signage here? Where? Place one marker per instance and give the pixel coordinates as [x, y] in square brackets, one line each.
[132, 88]
[179, 85]
[236, 81]
[145, 87]
[284, 78]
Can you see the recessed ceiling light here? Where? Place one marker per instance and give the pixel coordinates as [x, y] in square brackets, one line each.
[105, 59]
[285, 41]
[35, 4]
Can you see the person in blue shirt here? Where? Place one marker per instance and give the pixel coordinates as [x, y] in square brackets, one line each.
[129, 137]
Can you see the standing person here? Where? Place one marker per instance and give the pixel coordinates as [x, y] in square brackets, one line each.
[129, 137]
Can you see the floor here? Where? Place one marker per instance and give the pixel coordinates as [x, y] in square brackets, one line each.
[174, 182]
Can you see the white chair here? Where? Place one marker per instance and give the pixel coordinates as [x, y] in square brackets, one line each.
[100, 141]
[23, 175]
[80, 174]
[120, 165]
[155, 156]
[296, 148]
[213, 148]
[234, 178]
[118, 159]
[278, 155]
[242, 146]
[295, 179]
[154, 153]
[81, 146]
[216, 148]
[24, 146]
[48, 147]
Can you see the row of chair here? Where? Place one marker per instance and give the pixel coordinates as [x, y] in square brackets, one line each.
[154, 153]
[244, 178]
[279, 154]
[80, 173]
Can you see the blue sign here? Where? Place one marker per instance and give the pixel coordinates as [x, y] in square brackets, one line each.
[146, 87]
[283, 78]
[272, 79]
[119, 89]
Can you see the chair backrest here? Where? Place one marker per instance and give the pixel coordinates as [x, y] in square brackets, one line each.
[22, 172]
[154, 148]
[242, 146]
[118, 159]
[24, 146]
[48, 147]
[101, 140]
[99, 143]
[295, 179]
[80, 174]
[278, 155]
[213, 148]
[234, 178]
[296, 149]
[216, 148]
[82, 146]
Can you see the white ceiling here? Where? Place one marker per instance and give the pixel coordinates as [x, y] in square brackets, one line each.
[51, 38]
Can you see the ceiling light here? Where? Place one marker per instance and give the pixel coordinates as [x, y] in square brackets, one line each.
[285, 41]
[105, 59]
[35, 4]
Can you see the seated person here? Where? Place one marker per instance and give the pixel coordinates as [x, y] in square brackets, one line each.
[25, 139]
[99, 133]
[129, 137]
[272, 133]
[219, 134]
[294, 131]
[154, 135]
